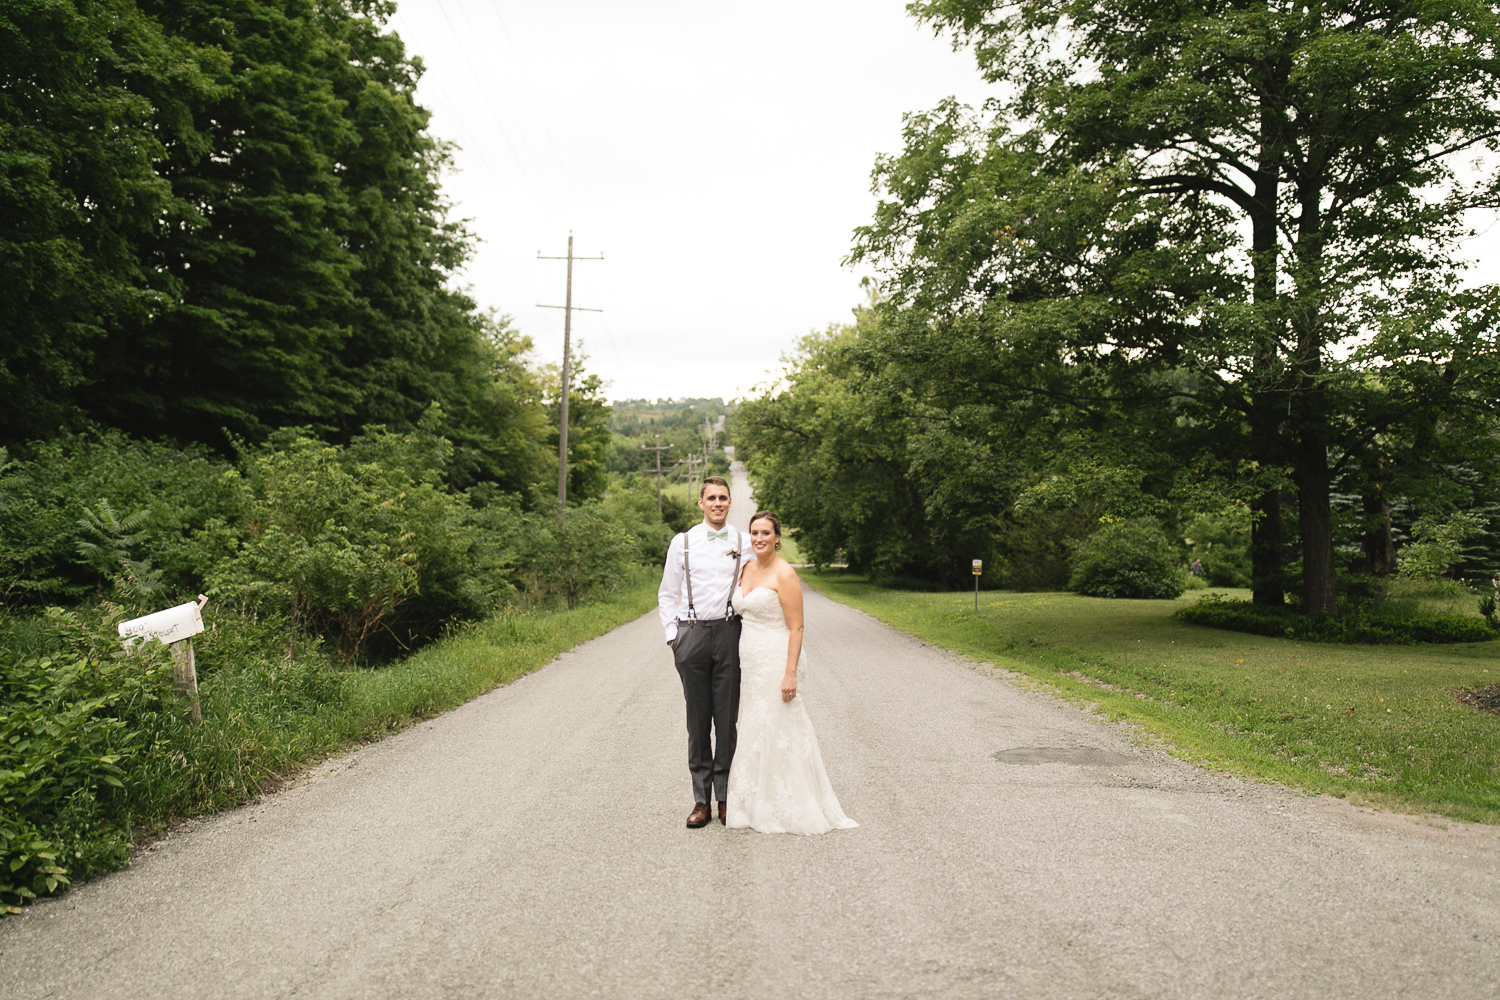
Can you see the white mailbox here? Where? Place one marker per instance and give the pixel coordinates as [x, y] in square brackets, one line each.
[169, 626]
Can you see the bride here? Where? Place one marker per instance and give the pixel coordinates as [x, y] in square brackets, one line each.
[776, 783]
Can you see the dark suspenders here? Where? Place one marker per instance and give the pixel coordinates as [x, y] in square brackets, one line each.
[687, 571]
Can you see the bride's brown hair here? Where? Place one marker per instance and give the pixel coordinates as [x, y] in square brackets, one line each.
[768, 516]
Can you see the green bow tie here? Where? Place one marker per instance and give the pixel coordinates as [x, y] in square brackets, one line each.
[718, 534]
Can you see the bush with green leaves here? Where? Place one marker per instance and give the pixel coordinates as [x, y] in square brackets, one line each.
[1489, 604]
[337, 545]
[1437, 546]
[586, 553]
[1038, 538]
[454, 584]
[1127, 558]
[631, 502]
[74, 507]
[1222, 542]
[1358, 624]
[70, 723]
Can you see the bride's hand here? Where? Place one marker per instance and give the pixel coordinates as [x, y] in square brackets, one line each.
[789, 687]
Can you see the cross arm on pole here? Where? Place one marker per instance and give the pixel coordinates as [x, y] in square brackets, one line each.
[562, 425]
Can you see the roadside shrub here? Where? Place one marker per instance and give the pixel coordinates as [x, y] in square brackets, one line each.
[1359, 625]
[452, 584]
[585, 554]
[69, 725]
[678, 514]
[337, 546]
[1130, 558]
[631, 502]
[59, 500]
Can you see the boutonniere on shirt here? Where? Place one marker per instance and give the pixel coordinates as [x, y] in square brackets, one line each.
[734, 553]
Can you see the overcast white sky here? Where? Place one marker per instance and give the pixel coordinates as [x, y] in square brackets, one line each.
[718, 155]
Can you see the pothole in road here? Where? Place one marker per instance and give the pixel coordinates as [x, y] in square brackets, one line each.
[1077, 756]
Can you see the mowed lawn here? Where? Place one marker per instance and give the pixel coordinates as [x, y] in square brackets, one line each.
[1377, 724]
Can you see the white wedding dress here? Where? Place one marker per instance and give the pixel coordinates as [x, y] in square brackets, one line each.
[776, 783]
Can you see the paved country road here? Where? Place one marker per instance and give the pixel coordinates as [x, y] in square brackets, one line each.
[531, 844]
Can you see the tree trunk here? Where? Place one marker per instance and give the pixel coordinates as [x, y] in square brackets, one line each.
[1311, 430]
[1315, 516]
[1377, 544]
[1266, 550]
[1267, 530]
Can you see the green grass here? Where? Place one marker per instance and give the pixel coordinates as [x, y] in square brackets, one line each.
[1376, 724]
[686, 492]
[261, 726]
[789, 550]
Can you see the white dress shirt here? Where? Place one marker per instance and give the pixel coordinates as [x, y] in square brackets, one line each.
[715, 573]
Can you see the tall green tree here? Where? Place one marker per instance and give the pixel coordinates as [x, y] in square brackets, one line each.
[590, 441]
[91, 93]
[314, 290]
[1252, 209]
[227, 216]
[858, 470]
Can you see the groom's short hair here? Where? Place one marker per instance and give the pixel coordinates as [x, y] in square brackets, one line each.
[714, 481]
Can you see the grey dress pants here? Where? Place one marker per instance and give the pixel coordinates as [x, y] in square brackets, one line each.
[707, 654]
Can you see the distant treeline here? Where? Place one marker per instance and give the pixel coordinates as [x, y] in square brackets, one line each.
[696, 429]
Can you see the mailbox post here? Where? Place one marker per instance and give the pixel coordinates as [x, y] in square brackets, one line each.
[978, 569]
[174, 628]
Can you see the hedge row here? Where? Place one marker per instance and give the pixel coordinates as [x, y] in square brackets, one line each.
[1217, 611]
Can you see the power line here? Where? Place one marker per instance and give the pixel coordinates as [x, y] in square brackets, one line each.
[504, 103]
[484, 93]
[531, 94]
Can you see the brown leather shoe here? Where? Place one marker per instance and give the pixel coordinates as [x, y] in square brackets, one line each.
[721, 815]
[699, 816]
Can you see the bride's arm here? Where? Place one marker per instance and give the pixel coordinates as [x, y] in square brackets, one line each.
[789, 592]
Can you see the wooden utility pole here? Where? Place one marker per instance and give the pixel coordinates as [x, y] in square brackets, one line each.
[693, 462]
[709, 440]
[562, 428]
[658, 449]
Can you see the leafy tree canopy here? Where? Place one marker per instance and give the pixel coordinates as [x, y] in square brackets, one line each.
[1237, 224]
[226, 216]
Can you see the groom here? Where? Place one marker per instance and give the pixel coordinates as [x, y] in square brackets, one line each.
[703, 631]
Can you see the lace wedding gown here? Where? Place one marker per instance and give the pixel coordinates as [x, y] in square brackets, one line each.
[777, 783]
